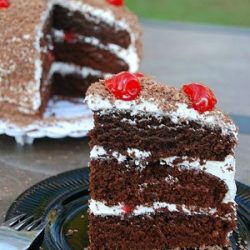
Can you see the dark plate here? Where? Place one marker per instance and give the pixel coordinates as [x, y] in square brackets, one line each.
[63, 201]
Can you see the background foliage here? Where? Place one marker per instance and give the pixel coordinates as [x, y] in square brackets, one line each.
[224, 12]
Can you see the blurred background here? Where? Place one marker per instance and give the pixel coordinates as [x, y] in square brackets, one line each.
[222, 12]
[184, 41]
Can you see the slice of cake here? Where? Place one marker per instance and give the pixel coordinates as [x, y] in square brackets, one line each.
[162, 166]
[58, 47]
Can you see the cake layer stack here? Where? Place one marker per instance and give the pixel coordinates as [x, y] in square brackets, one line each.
[62, 46]
[161, 171]
[88, 46]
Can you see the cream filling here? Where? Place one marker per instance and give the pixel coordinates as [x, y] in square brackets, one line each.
[67, 68]
[182, 112]
[101, 209]
[98, 152]
[128, 55]
[223, 170]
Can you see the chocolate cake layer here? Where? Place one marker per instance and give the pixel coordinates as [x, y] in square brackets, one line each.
[161, 137]
[159, 231]
[72, 85]
[76, 22]
[117, 183]
[84, 54]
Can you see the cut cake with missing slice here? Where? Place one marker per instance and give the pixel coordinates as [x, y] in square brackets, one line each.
[57, 48]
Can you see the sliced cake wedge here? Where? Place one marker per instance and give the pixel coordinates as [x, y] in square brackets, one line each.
[162, 166]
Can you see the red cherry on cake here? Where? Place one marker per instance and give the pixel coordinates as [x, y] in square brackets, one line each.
[124, 86]
[69, 37]
[116, 2]
[201, 97]
[139, 74]
[127, 209]
[51, 57]
[4, 4]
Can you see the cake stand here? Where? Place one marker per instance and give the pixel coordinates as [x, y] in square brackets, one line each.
[62, 118]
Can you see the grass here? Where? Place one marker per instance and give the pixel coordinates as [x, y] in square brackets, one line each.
[223, 12]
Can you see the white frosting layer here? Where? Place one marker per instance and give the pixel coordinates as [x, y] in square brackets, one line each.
[128, 55]
[66, 68]
[98, 152]
[101, 209]
[183, 112]
[224, 170]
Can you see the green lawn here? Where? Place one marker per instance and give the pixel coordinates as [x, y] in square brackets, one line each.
[225, 12]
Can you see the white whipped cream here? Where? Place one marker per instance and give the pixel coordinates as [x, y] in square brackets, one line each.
[99, 208]
[183, 112]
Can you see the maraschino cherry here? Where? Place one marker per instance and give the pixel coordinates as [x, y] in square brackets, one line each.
[50, 57]
[69, 37]
[4, 4]
[127, 209]
[116, 2]
[201, 97]
[124, 86]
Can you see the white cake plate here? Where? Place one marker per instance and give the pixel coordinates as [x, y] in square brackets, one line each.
[62, 118]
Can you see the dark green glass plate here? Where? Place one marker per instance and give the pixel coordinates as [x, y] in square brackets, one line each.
[63, 201]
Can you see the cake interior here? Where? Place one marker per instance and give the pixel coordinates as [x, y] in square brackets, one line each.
[75, 53]
[156, 184]
[160, 136]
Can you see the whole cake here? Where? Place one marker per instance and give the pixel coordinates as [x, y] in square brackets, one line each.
[58, 47]
[162, 166]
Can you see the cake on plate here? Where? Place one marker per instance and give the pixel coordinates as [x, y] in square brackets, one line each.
[58, 47]
[162, 166]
